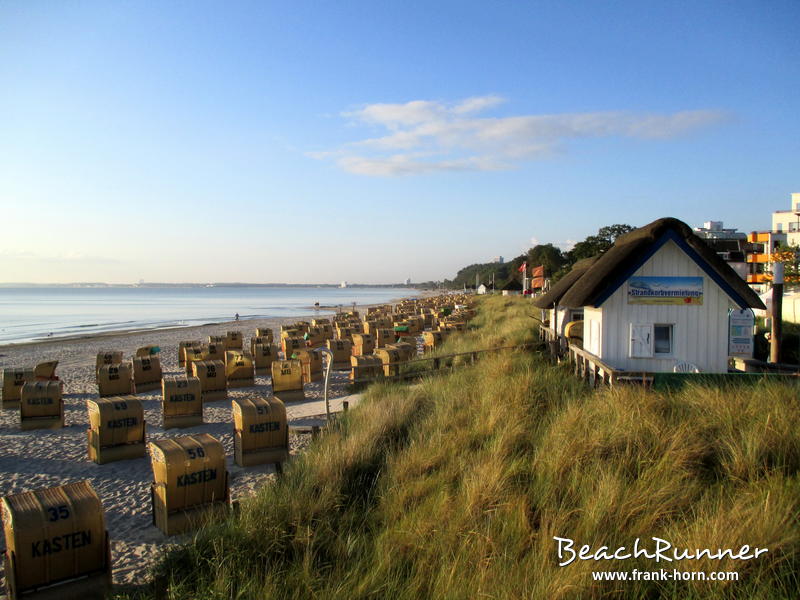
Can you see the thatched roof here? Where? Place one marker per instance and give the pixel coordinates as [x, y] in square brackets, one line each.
[512, 285]
[631, 250]
[561, 287]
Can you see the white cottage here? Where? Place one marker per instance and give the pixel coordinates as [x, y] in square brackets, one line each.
[557, 315]
[512, 288]
[659, 297]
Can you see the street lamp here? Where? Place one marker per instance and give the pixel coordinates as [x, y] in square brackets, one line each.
[329, 356]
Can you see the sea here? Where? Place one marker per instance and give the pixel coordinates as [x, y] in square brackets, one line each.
[30, 314]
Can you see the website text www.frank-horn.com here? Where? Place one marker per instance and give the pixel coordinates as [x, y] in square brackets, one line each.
[664, 575]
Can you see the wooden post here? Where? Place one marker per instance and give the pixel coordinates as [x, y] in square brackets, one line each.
[555, 319]
[315, 432]
[345, 405]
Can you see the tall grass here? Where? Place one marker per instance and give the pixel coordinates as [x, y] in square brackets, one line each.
[456, 487]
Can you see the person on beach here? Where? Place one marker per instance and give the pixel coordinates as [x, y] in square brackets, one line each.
[236, 317]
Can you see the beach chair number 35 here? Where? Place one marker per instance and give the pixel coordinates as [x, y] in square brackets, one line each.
[58, 512]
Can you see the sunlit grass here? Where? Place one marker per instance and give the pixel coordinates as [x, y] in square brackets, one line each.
[455, 488]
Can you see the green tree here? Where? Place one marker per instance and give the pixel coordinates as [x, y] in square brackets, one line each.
[547, 255]
[592, 246]
[597, 244]
[791, 266]
[484, 272]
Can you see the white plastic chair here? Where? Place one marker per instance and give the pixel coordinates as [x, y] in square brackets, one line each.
[685, 367]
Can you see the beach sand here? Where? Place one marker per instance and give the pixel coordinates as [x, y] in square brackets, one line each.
[44, 458]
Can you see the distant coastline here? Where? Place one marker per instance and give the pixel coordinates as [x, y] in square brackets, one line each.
[37, 313]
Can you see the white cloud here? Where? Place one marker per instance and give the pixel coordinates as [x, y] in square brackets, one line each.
[401, 164]
[568, 245]
[477, 104]
[397, 115]
[425, 136]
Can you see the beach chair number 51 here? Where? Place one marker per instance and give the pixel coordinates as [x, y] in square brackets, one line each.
[195, 453]
[58, 512]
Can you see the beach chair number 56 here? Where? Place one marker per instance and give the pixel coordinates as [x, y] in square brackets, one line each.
[58, 512]
[195, 453]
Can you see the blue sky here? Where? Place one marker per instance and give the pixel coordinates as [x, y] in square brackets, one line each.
[373, 141]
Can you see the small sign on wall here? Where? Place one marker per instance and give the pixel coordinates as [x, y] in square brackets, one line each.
[740, 332]
[665, 290]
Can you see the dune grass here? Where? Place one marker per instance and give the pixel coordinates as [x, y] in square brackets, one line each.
[455, 488]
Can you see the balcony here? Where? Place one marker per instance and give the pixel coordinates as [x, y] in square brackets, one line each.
[758, 258]
[756, 278]
[758, 238]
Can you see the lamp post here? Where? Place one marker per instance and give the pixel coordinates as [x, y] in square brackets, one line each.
[329, 356]
[777, 313]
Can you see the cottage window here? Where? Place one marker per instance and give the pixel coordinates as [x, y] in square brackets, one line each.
[662, 339]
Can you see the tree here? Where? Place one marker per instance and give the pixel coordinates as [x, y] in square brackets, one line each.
[792, 266]
[592, 246]
[597, 244]
[790, 257]
[547, 255]
[556, 263]
[484, 272]
[610, 233]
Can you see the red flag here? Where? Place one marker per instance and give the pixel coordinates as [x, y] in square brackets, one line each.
[523, 267]
[538, 271]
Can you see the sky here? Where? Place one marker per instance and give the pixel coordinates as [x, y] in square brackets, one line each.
[314, 142]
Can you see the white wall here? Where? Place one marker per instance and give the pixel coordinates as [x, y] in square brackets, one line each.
[565, 315]
[592, 330]
[791, 308]
[700, 332]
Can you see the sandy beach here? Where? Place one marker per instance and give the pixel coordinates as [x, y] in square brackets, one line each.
[43, 458]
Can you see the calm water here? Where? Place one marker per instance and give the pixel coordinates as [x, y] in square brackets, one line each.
[34, 313]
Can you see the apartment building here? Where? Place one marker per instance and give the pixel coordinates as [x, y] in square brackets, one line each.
[788, 222]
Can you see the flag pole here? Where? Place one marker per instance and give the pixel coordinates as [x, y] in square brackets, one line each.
[524, 277]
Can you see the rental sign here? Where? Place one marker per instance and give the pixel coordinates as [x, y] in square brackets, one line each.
[665, 290]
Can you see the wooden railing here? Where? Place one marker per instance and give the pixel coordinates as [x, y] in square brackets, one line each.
[556, 344]
[546, 334]
[589, 367]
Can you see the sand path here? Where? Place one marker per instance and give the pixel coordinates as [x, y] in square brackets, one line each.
[44, 458]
